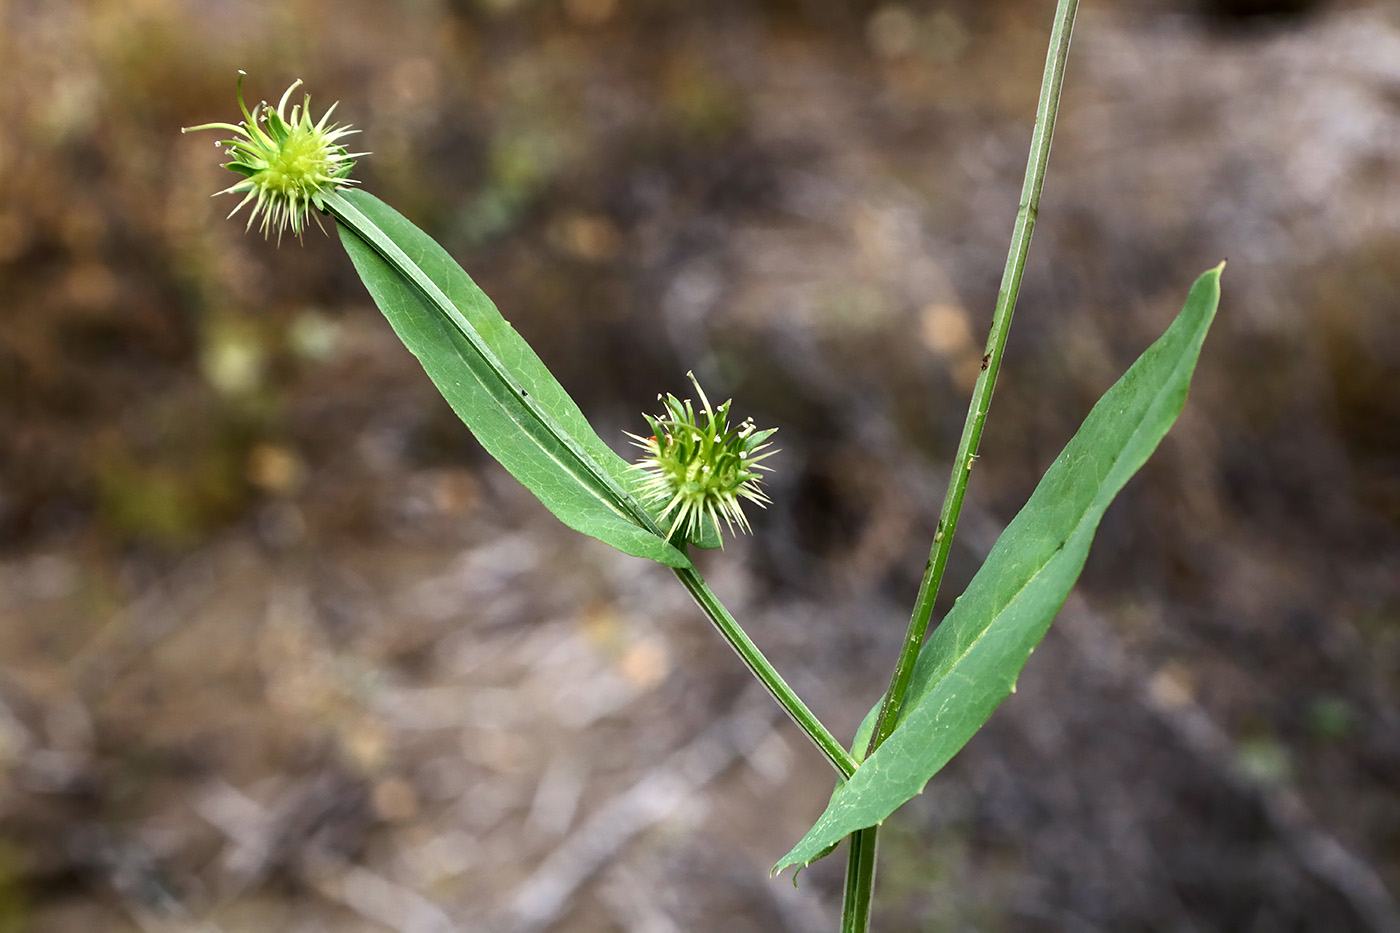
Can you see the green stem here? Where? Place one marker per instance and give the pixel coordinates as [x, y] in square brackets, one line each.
[860, 880]
[860, 867]
[991, 363]
[748, 652]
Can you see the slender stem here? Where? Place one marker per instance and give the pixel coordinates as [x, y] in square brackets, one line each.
[860, 865]
[860, 880]
[991, 363]
[748, 652]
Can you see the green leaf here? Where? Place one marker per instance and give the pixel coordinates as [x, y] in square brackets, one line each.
[493, 379]
[972, 660]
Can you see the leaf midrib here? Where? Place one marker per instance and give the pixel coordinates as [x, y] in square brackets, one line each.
[616, 498]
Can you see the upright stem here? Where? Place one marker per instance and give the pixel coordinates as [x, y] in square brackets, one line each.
[860, 866]
[860, 880]
[991, 364]
[748, 652]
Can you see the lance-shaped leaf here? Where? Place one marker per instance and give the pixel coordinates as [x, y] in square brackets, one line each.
[971, 662]
[493, 379]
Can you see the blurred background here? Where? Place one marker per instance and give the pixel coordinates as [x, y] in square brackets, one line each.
[281, 649]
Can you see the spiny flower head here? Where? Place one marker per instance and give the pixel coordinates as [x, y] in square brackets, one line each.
[288, 163]
[697, 468]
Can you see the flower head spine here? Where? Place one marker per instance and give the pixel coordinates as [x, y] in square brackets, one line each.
[698, 469]
[288, 162]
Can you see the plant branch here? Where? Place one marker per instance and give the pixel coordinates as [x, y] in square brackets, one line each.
[761, 668]
[860, 880]
[860, 865]
[1045, 116]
